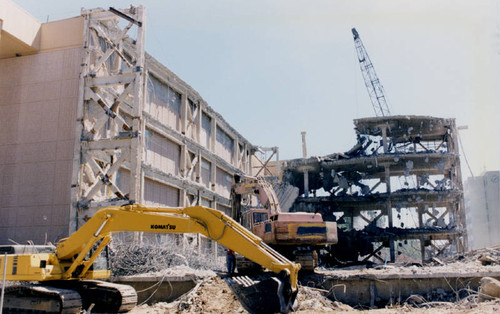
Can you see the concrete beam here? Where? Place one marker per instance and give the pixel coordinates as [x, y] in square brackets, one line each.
[382, 290]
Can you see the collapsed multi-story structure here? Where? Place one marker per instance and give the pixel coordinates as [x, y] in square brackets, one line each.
[89, 119]
[399, 189]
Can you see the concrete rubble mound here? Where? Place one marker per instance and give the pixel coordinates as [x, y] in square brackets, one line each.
[472, 279]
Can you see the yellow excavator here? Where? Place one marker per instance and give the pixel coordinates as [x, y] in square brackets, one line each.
[65, 275]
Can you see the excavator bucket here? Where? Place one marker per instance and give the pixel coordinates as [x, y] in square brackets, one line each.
[265, 293]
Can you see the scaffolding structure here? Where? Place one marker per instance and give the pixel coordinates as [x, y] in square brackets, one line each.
[400, 184]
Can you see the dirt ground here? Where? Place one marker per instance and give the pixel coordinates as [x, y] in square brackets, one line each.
[212, 295]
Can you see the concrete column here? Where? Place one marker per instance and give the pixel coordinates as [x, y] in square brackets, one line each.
[306, 173]
[389, 210]
[244, 159]
[383, 127]
[278, 165]
[198, 123]
[213, 137]
[183, 198]
[250, 170]
[420, 216]
[198, 168]
[213, 179]
[184, 111]
[422, 249]
[214, 249]
[183, 160]
[236, 153]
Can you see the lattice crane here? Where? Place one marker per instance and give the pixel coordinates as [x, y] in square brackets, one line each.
[372, 82]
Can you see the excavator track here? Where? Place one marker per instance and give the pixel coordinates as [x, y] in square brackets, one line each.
[41, 299]
[308, 260]
[103, 297]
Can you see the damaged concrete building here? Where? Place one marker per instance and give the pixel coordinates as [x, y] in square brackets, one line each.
[89, 119]
[397, 193]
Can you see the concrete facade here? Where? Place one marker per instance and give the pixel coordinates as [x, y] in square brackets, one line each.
[39, 79]
[75, 137]
[482, 205]
[36, 143]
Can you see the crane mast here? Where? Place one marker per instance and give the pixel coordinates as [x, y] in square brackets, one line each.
[372, 82]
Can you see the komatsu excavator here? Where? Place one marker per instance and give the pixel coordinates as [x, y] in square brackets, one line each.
[297, 235]
[65, 275]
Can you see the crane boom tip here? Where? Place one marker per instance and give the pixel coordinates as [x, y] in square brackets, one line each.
[355, 33]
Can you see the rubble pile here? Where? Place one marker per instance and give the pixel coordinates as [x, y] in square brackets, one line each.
[212, 294]
[477, 261]
[312, 300]
[487, 256]
[179, 271]
[149, 258]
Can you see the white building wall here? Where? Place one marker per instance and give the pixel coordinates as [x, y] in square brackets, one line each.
[482, 203]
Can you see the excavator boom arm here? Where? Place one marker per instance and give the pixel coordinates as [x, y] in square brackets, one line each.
[210, 222]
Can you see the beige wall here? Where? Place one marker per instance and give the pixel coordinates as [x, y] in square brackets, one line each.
[19, 31]
[38, 97]
[62, 34]
[21, 34]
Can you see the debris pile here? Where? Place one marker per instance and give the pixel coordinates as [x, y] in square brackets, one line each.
[129, 259]
[213, 295]
[311, 300]
[179, 271]
[209, 296]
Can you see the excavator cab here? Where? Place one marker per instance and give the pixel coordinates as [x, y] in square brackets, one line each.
[296, 235]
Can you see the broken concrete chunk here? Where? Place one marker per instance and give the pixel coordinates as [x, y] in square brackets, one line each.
[416, 299]
[487, 260]
[490, 288]
[341, 306]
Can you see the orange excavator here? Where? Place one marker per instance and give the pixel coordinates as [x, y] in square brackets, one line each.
[296, 235]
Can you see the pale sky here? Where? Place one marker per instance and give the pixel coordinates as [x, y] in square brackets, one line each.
[276, 68]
